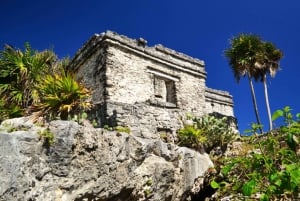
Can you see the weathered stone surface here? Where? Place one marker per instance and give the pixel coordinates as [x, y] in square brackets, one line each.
[85, 163]
[125, 73]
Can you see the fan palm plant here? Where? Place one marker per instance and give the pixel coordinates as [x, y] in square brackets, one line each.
[242, 55]
[61, 95]
[19, 71]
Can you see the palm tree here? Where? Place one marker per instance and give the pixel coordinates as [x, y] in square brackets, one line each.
[242, 55]
[268, 63]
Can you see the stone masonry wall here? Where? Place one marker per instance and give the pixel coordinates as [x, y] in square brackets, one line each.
[92, 73]
[217, 101]
[144, 120]
[146, 88]
[131, 80]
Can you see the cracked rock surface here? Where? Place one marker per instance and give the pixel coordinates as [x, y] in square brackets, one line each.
[86, 163]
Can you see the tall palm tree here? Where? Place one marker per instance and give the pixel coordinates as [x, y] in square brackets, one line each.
[268, 64]
[242, 55]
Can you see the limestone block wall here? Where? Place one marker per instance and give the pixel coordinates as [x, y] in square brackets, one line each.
[144, 120]
[217, 101]
[146, 88]
[127, 77]
[92, 72]
[131, 80]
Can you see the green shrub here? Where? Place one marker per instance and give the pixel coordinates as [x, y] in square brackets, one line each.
[270, 171]
[8, 111]
[208, 131]
[191, 136]
[62, 95]
[218, 131]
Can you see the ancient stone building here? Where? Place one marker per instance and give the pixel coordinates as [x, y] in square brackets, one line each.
[149, 89]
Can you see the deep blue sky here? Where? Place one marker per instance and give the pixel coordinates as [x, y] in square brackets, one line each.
[198, 28]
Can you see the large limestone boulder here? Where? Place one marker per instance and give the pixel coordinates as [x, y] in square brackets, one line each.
[85, 163]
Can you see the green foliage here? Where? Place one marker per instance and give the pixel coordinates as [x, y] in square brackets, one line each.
[123, 129]
[242, 54]
[254, 128]
[249, 54]
[218, 131]
[107, 127]
[19, 71]
[149, 182]
[271, 169]
[8, 111]
[286, 114]
[47, 135]
[191, 136]
[147, 192]
[61, 95]
[33, 81]
[208, 131]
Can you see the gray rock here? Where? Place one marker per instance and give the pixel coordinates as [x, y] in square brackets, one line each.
[85, 163]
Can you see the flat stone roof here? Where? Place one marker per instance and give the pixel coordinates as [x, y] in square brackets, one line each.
[218, 96]
[139, 46]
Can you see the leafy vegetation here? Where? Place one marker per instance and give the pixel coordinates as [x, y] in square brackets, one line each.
[207, 132]
[61, 94]
[269, 171]
[32, 81]
[123, 129]
[48, 136]
[19, 71]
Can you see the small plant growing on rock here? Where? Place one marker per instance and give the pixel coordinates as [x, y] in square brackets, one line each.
[123, 129]
[47, 135]
[208, 131]
[192, 137]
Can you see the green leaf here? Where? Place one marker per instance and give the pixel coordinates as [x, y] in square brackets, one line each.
[272, 188]
[264, 197]
[294, 172]
[277, 114]
[291, 141]
[214, 184]
[226, 169]
[249, 188]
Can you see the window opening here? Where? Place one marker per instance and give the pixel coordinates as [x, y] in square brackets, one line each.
[164, 89]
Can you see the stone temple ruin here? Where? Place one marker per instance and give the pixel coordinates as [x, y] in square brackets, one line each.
[149, 89]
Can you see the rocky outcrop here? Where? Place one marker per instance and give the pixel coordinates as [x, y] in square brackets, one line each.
[85, 163]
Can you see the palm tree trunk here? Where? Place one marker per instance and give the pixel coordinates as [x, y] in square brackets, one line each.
[254, 102]
[267, 102]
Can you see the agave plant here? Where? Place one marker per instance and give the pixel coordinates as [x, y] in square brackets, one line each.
[62, 95]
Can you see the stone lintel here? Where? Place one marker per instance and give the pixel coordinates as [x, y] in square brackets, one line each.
[218, 96]
[159, 53]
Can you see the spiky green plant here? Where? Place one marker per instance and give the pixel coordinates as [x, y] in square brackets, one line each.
[20, 70]
[191, 136]
[62, 95]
